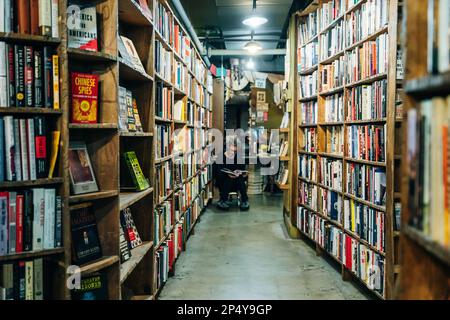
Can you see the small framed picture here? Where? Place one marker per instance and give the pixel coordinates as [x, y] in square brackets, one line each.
[261, 96]
[82, 176]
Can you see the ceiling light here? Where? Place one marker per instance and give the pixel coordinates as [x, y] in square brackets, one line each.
[250, 64]
[255, 21]
[252, 47]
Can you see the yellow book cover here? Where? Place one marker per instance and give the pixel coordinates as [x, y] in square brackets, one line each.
[54, 152]
[352, 209]
[55, 60]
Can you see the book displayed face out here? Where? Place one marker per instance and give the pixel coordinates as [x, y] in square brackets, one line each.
[82, 176]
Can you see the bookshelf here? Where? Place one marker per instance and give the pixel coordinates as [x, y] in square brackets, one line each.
[424, 258]
[330, 78]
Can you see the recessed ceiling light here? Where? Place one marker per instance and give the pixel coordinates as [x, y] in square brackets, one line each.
[255, 21]
[253, 47]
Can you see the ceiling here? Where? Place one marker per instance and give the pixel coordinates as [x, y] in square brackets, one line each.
[219, 22]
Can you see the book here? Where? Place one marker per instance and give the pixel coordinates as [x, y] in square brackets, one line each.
[140, 181]
[38, 218]
[4, 207]
[23, 11]
[123, 109]
[125, 253]
[12, 222]
[132, 53]
[4, 95]
[45, 17]
[49, 218]
[38, 278]
[2, 150]
[82, 176]
[94, 287]
[19, 74]
[58, 222]
[47, 76]
[85, 239]
[137, 118]
[84, 98]
[55, 18]
[56, 135]
[82, 29]
[40, 144]
[130, 230]
[55, 78]
[29, 280]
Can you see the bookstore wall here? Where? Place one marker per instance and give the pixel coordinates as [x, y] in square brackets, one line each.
[104, 169]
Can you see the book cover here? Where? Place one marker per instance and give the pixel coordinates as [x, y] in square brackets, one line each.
[19, 222]
[40, 146]
[45, 17]
[28, 218]
[84, 98]
[7, 280]
[82, 176]
[131, 232]
[23, 12]
[17, 150]
[38, 218]
[131, 121]
[10, 75]
[29, 280]
[140, 181]
[123, 109]
[31, 145]
[55, 18]
[58, 222]
[34, 17]
[29, 77]
[3, 223]
[4, 97]
[85, 240]
[10, 169]
[2, 150]
[49, 218]
[47, 77]
[137, 118]
[38, 79]
[12, 222]
[19, 74]
[56, 135]
[132, 53]
[24, 149]
[82, 33]
[38, 279]
[55, 78]
[92, 288]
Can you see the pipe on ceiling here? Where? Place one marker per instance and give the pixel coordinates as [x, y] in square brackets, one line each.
[267, 52]
[190, 29]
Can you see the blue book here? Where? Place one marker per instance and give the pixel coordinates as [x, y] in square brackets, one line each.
[2, 150]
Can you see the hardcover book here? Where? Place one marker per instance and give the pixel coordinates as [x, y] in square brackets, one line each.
[130, 54]
[140, 181]
[82, 176]
[92, 288]
[84, 98]
[130, 230]
[85, 240]
[82, 32]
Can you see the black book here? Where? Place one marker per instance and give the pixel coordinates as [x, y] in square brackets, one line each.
[28, 216]
[93, 287]
[11, 78]
[85, 240]
[38, 79]
[40, 127]
[47, 77]
[19, 74]
[29, 75]
[19, 280]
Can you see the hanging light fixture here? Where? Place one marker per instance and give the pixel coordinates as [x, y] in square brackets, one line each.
[254, 21]
[250, 65]
[253, 46]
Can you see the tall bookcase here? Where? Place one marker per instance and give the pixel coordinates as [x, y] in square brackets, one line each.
[329, 37]
[425, 253]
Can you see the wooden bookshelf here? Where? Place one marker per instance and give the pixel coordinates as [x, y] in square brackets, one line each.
[325, 128]
[424, 261]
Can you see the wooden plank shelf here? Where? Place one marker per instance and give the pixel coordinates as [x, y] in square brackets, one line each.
[90, 56]
[332, 58]
[93, 126]
[320, 185]
[163, 41]
[178, 122]
[28, 38]
[137, 254]
[282, 186]
[307, 153]
[367, 203]
[31, 254]
[163, 120]
[357, 237]
[331, 124]
[305, 126]
[162, 160]
[366, 162]
[136, 134]
[30, 183]
[368, 80]
[429, 86]
[372, 37]
[330, 155]
[31, 111]
[131, 74]
[432, 247]
[178, 92]
[332, 91]
[328, 219]
[367, 121]
[332, 24]
[93, 196]
[307, 99]
[166, 82]
[308, 71]
[131, 13]
[98, 265]
[126, 199]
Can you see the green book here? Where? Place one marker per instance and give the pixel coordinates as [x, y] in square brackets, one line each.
[140, 182]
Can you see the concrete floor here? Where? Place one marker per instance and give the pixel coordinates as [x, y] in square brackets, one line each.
[236, 256]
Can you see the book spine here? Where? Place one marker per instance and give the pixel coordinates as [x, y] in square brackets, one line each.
[28, 217]
[3, 223]
[17, 155]
[4, 97]
[38, 79]
[12, 222]
[23, 12]
[49, 218]
[58, 222]
[29, 73]
[10, 171]
[8, 15]
[40, 147]
[19, 223]
[55, 20]
[45, 17]
[55, 77]
[10, 75]
[21, 280]
[38, 279]
[24, 149]
[19, 75]
[31, 149]
[39, 218]
[29, 280]
[2, 15]
[2, 150]
[34, 18]
[47, 77]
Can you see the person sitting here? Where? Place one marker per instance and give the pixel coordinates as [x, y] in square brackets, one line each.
[232, 176]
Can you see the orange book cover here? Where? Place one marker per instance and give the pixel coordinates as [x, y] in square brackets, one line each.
[84, 98]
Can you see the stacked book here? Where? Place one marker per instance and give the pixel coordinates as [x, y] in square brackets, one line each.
[255, 180]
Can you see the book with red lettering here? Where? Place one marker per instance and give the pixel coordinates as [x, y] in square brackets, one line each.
[84, 96]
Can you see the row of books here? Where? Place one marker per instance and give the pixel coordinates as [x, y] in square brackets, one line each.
[308, 56]
[330, 11]
[334, 108]
[307, 195]
[308, 85]
[29, 76]
[163, 220]
[282, 177]
[369, 60]
[367, 223]
[438, 36]
[371, 17]
[367, 102]
[164, 22]
[330, 204]
[367, 183]
[330, 173]
[367, 142]
[23, 149]
[181, 76]
[428, 154]
[182, 43]
[309, 112]
[30, 220]
[164, 143]
[310, 140]
[22, 280]
[332, 41]
[308, 28]
[163, 182]
[163, 61]
[37, 17]
[333, 75]
[334, 140]
[163, 101]
[307, 167]
[129, 119]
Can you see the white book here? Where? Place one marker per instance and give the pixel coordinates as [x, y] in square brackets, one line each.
[4, 92]
[444, 36]
[12, 222]
[49, 218]
[7, 20]
[9, 147]
[24, 149]
[38, 219]
[29, 280]
[38, 279]
[45, 17]
[17, 156]
[31, 149]
[2, 15]
[55, 19]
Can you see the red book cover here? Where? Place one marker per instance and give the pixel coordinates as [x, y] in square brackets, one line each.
[180, 239]
[19, 223]
[84, 98]
[171, 246]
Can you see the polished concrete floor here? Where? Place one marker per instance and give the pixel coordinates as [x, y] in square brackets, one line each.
[248, 255]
